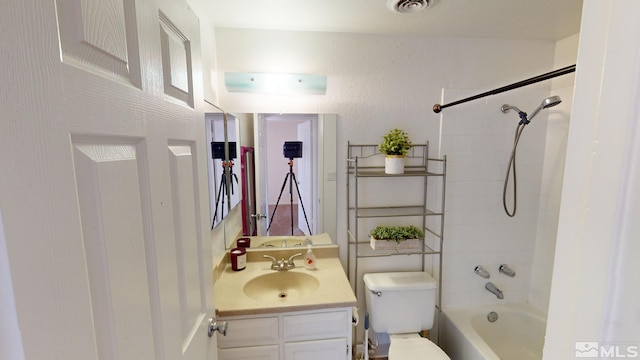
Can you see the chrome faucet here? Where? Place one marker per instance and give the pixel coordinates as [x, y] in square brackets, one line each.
[282, 264]
[492, 288]
[505, 269]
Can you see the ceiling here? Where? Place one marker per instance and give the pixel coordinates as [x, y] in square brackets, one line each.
[547, 20]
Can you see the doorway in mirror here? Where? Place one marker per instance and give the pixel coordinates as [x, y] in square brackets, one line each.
[315, 171]
[293, 198]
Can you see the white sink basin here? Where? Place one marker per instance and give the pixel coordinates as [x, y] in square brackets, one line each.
[281, 286]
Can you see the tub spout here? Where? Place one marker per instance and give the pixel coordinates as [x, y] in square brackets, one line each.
[492, 288]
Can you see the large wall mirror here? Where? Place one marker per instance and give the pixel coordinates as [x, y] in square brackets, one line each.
[288, 177]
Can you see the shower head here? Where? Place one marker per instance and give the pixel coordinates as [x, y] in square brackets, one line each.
[546, 103]
[551, 101]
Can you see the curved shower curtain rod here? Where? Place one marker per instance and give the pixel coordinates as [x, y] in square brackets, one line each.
[565, 70]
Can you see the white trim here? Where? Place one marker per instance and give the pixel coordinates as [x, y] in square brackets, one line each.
[10, 337]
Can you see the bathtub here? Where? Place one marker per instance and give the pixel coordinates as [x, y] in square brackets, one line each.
[517, 334]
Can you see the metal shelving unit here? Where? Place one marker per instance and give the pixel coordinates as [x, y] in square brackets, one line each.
[364, 163]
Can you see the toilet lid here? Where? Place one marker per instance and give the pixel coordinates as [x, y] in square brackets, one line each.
[415, 348]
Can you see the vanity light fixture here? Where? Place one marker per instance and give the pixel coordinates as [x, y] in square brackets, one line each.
[270, 83]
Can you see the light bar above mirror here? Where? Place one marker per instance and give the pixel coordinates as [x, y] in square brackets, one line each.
[269, 83]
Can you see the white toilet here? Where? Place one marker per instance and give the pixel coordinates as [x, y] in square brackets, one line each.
[402, 304]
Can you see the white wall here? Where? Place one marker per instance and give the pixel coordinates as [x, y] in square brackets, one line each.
[207, 48]
[595, 295]
[375, 82]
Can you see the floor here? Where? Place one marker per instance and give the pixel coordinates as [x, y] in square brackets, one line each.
[281, 221]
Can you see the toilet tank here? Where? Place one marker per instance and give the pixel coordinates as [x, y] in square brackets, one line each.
[400, 302]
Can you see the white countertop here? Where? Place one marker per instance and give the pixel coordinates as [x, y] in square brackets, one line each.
[333, 291]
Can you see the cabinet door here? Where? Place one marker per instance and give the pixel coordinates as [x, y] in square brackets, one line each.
[249, 332]
[250, 353]
[317, 350]
[320, 325]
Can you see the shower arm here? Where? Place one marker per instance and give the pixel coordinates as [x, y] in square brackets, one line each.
[563, 71]
[534, 113]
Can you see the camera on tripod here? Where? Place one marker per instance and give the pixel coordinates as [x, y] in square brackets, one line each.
[292, 149]
[218, 153]
[217, 150]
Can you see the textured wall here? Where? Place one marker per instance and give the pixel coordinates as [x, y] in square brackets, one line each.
[378, 82]
[375, 82]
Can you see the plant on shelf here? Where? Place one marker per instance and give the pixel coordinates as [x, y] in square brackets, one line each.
[395, 142]
[395, 145]
[396, 237]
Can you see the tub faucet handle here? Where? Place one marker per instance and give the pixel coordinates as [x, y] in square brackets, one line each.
[482, 272]
[505, 269]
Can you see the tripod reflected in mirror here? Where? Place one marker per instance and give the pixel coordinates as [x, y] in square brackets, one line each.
[218, 152]
[291, 150]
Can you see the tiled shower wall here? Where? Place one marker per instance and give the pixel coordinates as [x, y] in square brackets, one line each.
[477, 139]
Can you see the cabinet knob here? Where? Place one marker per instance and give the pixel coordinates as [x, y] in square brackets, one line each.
[215, 326]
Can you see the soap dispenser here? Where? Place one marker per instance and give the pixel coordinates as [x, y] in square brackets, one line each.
[309, 259]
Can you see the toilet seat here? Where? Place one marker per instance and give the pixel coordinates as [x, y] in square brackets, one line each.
[406, 347]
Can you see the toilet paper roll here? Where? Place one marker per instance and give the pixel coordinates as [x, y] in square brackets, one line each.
[355, 317]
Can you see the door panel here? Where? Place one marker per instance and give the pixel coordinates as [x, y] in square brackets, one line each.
[176, 61]
[188, 242]
[317, 350]
[270, 352]
[102, 35]
[105, 207]
[112, 215]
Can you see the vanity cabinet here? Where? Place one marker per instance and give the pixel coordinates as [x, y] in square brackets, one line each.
[309, 335]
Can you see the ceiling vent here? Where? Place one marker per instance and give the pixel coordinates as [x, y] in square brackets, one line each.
[408, 6]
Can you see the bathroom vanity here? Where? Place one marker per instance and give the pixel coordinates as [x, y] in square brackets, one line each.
[285, 315]
[297, 335]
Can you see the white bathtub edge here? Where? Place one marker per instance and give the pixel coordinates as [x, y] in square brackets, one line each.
[456, 327]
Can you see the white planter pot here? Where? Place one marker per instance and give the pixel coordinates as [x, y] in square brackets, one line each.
[394, 164]
[408, 244]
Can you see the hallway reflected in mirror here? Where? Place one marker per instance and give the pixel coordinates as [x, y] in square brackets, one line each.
[281, 223]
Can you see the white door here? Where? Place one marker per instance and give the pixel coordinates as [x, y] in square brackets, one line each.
[103, 187]
[304, 178]
[260, 138]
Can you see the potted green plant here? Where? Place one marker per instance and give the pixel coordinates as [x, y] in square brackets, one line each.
[396, 237]
[395, 145]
